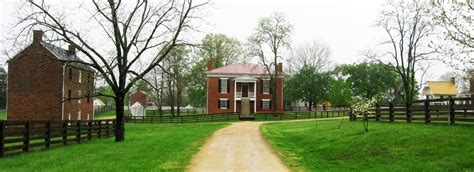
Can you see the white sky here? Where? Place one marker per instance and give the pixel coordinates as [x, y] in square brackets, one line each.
[346, 26]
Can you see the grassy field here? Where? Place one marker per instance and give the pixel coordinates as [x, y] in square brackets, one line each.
[3, 115]
[386, 147]
[148, 147]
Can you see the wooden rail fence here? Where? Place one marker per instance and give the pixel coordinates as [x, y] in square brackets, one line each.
[450, 110]
[23, 136]
[292, 115]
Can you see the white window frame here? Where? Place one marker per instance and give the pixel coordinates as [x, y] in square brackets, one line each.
[80, 76]
[79, 115]
[225, 102]
[266, 82]
[267, 105]
[224, 85]
[79, 98]
[88, 116]
[69, 116]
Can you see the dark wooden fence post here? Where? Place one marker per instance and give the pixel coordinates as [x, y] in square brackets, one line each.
[78, 132]
[390, 112]
[408, 111]
[451, 111]
[377, 112]
[47, 140]
[351, 116]
[107, 127]
[89, 130]
[99, 132]
[65, 125]
[427, 111]
[26, 142]
[2, 137]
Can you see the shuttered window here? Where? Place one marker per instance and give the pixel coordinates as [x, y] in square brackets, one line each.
[224, 85]
[223, 104]
[266, 104]
[266, 86]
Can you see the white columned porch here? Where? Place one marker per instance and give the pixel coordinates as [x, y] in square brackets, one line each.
[235, 91]
[245, 79]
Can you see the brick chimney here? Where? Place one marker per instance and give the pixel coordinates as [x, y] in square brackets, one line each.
[71, 49]
[37, 35]
[471, 82]
[280, 68]
[452, 80]
[210, 65]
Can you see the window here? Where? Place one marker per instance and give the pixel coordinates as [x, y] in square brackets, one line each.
[78, 115]
[70, 74]
[80, 77]
[79, 98]
[223, 103]
[266, 86]
[88, 97]
[69, 95]
[69, 116]
[224, 85]
[88, 116]
[266, 104]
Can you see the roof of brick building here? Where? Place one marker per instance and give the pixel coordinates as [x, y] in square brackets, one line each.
[247, 68]
[63, 55]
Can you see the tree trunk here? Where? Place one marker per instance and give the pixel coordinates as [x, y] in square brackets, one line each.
[120, 119]
[310, 105]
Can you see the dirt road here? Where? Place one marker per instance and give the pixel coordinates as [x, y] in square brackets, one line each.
[238, 147]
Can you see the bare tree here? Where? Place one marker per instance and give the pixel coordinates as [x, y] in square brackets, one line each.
[407, 28]
[315, 54]
[271, 37]
[455, 20]
[137, 32]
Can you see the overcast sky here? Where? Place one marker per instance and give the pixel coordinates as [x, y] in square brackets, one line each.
[346, 26]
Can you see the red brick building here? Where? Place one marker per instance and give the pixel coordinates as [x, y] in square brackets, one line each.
[46, 82]
[140, 97]
[226, 86]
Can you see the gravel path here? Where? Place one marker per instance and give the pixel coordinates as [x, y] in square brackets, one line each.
[238, 147]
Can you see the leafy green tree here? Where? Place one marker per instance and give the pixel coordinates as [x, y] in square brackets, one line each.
[309, 85]
[270, 38]
[197, 86]
[371, 80]
[340, 94]
[220, 49]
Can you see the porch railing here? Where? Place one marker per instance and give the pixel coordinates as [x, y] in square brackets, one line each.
[250, 94]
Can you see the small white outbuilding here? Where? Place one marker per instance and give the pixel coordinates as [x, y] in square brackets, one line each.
[137, 109]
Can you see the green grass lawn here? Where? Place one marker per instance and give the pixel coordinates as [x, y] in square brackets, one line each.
[386, 147]
[148, 147]
[3, 115]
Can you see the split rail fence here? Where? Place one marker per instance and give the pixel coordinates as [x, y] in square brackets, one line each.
[291, 115]
[23, 136]
[449, 110]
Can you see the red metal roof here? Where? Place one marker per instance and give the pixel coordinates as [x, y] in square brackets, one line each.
[248, 68]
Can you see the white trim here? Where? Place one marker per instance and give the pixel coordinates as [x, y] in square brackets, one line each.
[265, 99]
[224, 80]
[266, 79]
[235, 100]
[223, 98]
[207, 96]
[255, 100]
[62, 91]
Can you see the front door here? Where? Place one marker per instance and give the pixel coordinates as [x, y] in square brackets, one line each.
[245, 90]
